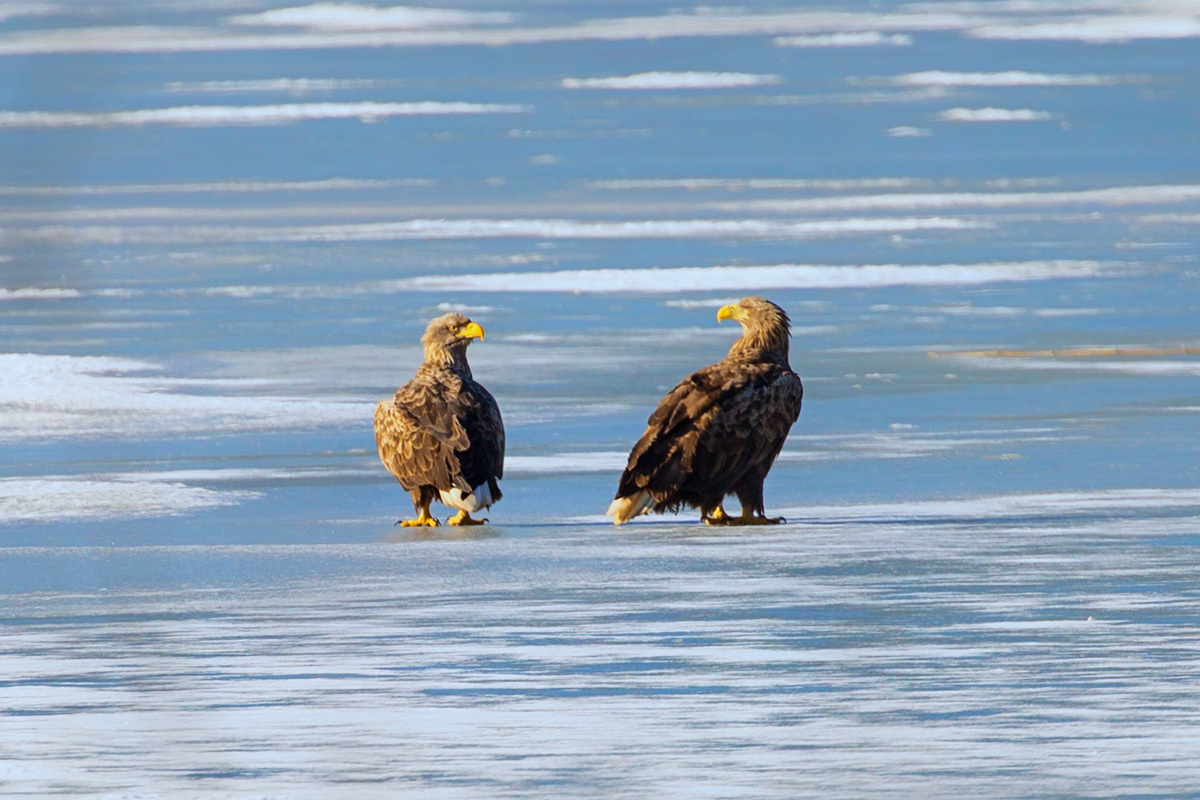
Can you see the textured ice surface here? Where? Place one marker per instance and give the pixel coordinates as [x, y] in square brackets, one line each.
[223, 228]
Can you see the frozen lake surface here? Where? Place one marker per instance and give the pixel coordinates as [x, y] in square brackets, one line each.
[224, 226]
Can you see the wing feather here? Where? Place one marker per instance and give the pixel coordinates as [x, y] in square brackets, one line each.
[710, 429]
[483, 459]
[442, 431]
[412, 453]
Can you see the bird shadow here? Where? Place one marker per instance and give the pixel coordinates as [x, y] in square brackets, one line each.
[442, 533]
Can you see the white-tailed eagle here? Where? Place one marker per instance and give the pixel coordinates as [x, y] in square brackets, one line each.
[718, 432]
[441, 434]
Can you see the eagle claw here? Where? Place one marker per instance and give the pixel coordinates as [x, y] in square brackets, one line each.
[463, 518]
[419, 522]
[760, 520]
[742, 520]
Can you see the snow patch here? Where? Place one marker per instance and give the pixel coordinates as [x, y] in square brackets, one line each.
[463, 308]
[715, 302]
[749, 278]
[994, 115]
[31, 293]
[1006, 78]
[1098, 30]
[562, 463]
[53, 397]
[1151, 194]
[674, 80]
[57, 498]
[353, 16]
[200, 116]
[296, 29]
[234, 187]
[631, 229]
[292, 85]
[740, 184]
[849, 39]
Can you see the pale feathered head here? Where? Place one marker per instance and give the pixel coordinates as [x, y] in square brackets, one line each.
[446, 337]
[765, 326]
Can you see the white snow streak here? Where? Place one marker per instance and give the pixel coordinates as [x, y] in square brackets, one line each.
[748, 278]
[30, 293]
[674, 80]
[994, 115]
[291, 85]
[53, 396]
[853, 39]
[1110, 196]
[334, 25]
[633, 229]
[282, 114]
[740, 184]
[328, 184]
[48, 499]
[1006, 78]
[1100, 29]
[353, 16]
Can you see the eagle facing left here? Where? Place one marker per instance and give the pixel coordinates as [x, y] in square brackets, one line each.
[441, 434]
[718, 432]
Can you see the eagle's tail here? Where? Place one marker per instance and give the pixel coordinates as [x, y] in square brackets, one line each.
[624, 509]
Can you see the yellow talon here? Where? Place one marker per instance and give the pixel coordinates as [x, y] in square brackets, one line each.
[721, 517]
[423, 520]
[752, 520]
[463, 518]
[718, 517]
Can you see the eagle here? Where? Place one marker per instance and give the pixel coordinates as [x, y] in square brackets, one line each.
[441, 434]
[718, 432]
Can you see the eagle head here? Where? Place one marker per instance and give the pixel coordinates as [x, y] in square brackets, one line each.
[449, 334]
[765, 326]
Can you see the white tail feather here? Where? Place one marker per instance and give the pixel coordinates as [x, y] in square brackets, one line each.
[624, 509]
[470, 503]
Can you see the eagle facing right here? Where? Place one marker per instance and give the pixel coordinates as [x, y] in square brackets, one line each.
[441, 435]
[718, 432]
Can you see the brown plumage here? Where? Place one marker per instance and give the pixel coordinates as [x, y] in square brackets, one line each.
[718, 432]
[441, 434]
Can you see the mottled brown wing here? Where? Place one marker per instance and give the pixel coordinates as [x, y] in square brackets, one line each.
[411, 451]
[748, 431]
[434, 404]
[707, 431]
[657, 461]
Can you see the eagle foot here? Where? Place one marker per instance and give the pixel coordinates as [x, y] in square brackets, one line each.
[423, 521]
[724, 519]
[463, 518]
[743, 520]
[717, 517]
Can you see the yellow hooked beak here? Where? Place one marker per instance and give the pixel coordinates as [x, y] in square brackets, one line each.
[472, 331]
[733, 311]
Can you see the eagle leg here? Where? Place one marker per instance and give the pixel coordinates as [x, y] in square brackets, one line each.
[750, 495]
[463, 518]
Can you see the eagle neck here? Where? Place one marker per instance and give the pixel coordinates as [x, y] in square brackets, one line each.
[762, 344]
[453, 359]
